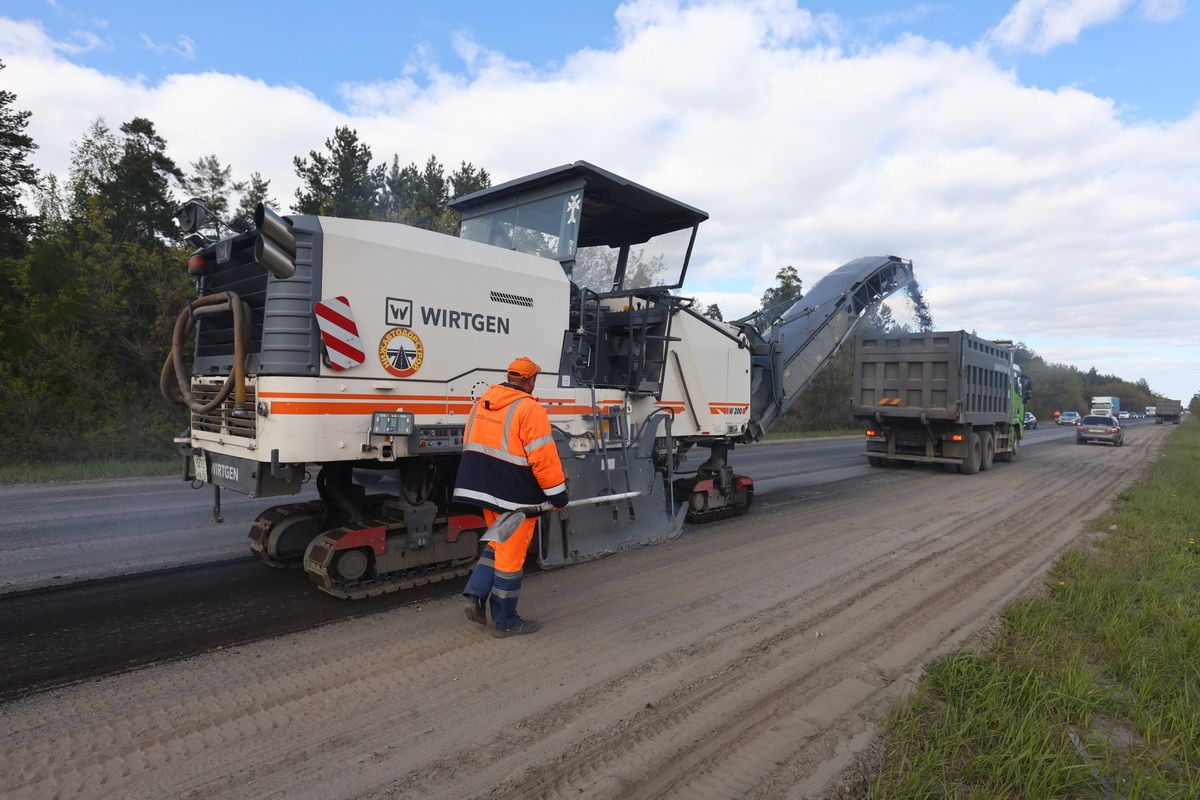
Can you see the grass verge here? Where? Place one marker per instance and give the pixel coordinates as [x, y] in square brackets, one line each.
[47, 473]
[813, 434]
[1089, 690]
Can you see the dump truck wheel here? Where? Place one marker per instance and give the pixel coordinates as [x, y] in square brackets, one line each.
[875, 461]
[988, 453]
[970, 464]
[1011, 455]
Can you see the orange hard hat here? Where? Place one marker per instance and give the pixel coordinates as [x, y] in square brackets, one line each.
[523, 368]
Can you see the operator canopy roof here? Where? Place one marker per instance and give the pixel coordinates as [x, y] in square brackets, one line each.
[578, 212]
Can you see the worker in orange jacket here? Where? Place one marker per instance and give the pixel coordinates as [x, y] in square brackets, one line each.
[509, 460]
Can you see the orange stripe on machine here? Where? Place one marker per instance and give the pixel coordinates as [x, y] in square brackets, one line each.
[314, 407]
[728, 408]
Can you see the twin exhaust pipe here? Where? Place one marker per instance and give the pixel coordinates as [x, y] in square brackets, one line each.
[275, 247]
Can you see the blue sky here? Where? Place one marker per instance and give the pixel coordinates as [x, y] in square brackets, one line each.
[1136, 62]
[1016, 151]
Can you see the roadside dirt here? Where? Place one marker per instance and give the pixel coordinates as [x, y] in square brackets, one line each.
[748, 659]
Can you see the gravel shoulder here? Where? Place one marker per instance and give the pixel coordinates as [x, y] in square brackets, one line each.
[747, 659]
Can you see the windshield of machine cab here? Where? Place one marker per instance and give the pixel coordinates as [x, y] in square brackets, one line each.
[657, 262]
[546, 227]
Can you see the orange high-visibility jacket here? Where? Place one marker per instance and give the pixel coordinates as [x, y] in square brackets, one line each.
[509, 457]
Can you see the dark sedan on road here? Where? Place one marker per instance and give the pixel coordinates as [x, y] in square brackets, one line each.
[1100, 429]
[1069, 418]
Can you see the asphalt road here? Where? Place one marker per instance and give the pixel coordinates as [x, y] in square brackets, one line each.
[213, 595]
[57, 534]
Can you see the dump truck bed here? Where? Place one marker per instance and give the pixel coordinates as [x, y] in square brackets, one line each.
[951, 376]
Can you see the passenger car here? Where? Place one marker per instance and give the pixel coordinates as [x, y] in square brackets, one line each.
[1123, 415]
[1030, 421]
[1100, 429]
[1069, 418]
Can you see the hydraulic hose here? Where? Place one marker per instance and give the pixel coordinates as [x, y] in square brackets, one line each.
[219, 303]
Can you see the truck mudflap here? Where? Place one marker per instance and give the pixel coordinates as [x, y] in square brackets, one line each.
[251, 478]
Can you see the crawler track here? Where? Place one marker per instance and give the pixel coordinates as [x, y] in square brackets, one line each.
[322, 553]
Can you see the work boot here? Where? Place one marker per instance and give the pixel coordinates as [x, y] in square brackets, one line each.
[519, 627]
[476, 609]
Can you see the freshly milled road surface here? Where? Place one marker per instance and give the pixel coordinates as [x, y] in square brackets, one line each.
[746, 659]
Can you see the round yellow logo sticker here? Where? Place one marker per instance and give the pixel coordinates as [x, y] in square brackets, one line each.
[401, 352]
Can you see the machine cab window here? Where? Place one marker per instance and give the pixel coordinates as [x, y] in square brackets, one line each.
[610, 234]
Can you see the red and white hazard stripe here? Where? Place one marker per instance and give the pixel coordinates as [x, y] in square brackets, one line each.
[339, 332]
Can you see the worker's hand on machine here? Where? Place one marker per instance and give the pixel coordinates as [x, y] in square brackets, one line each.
[559, 503]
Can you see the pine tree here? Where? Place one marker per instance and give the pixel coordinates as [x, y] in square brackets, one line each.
[431, 196]
[211, 182]
[341, 181]
[420, 196]
[138, 196]
[254, 190]
[714, 312]
[788, 288]
[778, 299]
[468, 179]
[93, 164]
[401, 185]
[16, 225]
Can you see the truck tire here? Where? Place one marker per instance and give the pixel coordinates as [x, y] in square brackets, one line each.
[1011, 455]
[875, 461]
[970, 464]
[988, 452]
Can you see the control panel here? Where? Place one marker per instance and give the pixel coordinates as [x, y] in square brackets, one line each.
[436, 439]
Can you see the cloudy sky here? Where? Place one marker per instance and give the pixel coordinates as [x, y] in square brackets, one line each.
[1039, 161]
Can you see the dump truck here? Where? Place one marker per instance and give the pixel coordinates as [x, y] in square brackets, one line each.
[1107, 406]
[947, 397]
[336, 348]
[1167, 411]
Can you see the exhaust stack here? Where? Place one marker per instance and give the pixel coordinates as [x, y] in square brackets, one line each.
[275, 247]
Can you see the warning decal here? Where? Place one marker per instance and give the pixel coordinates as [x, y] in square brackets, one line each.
[339, 333]
[401, 352]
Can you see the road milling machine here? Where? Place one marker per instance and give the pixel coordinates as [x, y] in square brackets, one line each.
[352, 351]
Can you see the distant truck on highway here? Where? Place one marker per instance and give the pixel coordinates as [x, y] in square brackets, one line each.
[1150, 411]
[1106, 406]
[939, 398]
[1167, 411]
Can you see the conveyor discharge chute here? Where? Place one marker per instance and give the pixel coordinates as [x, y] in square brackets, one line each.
[791, 350]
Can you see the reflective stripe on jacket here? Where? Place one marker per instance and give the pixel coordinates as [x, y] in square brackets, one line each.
[509, 457]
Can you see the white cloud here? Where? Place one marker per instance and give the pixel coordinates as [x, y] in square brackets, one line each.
[1162, 10]
[1030, 214]
[1041, 25]
[184, 47]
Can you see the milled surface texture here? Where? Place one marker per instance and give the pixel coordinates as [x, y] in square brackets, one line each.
[750, 658]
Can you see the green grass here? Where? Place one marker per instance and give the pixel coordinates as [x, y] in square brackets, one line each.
[813, 434]
[47, 473]
[1091, 689]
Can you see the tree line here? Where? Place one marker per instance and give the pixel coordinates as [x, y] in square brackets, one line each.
[93, 272]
